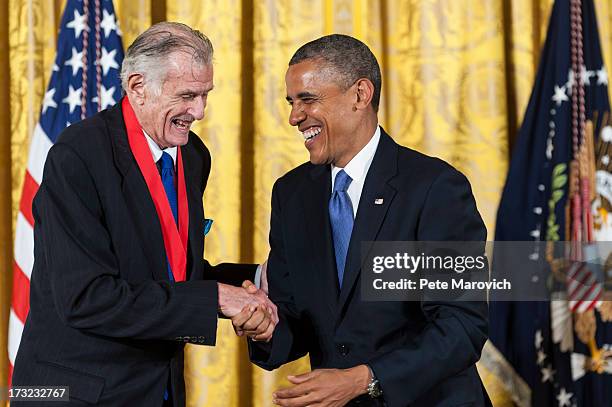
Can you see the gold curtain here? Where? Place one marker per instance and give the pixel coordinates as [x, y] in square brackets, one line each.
[5, 188]
[457, 76]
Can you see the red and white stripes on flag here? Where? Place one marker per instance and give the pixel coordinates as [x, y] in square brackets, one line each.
[584, 287]
[584, 290]
[24, 242]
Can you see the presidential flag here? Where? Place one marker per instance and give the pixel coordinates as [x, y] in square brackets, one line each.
[557, 353]
[84, 80]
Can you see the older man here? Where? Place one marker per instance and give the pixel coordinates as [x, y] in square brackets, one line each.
[361, 186]
[119, 283]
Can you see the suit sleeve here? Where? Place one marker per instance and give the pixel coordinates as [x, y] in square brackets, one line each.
[290, 338]
[230, 273]
[455, 332]
[87, 289]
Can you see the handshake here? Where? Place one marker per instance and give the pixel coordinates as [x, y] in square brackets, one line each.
[251, 311]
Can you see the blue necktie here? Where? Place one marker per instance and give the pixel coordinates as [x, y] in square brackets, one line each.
[167, 177]
[341, 217]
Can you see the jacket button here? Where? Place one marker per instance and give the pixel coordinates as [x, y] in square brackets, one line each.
[343, 349]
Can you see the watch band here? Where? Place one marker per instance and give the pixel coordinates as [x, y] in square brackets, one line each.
[374, 389]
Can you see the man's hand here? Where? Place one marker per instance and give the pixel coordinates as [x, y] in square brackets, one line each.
[252, 313]
[256, 323]
[244, 323]
[252, 289]
[324, 387]
[232, 300]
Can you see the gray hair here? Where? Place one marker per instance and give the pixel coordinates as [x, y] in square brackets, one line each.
[149, 53]
[349, 58]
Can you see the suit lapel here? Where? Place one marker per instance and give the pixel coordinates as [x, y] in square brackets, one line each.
[370, 215]
[137, 196]
[194, 202]
[315, 201]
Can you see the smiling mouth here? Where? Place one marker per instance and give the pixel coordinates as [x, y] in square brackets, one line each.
[311, 133]
[181, 124]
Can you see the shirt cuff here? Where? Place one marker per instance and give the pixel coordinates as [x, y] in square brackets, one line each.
[258, 277]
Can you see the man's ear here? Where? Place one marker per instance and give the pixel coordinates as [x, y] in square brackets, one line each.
[365, 92]
[136, 88]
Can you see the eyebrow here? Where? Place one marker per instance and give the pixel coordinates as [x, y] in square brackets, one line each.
[301, 95]
[191, 92]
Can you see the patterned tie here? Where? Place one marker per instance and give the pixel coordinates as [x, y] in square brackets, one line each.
[341, 217]
[167, 177]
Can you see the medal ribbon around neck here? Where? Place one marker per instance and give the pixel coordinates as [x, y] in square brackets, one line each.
[175, 241]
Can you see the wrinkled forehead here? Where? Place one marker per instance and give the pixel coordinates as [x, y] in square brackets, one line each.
[182, 61]
[187, 71]
[312, 73]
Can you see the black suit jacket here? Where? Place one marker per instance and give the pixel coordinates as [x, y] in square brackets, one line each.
[104, 319]
[423, 353]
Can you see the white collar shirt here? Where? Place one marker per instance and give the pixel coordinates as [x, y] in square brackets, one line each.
[357, 169]
[157, 152]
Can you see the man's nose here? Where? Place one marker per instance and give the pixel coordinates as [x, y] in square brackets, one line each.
[297, 114]
[196, 109]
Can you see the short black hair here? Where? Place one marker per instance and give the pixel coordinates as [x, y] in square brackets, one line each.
[350, 59]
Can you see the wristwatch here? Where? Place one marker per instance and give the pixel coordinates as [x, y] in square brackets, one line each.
[374, 389]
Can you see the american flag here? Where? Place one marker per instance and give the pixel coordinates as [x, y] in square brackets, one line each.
[584, 289]
[553, 348]
[84, 80]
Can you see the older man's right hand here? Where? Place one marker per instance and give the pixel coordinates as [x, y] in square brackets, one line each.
[233, 299]
[251, 311]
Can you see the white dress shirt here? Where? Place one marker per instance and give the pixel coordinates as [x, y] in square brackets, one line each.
[357, 169]
[157, 152]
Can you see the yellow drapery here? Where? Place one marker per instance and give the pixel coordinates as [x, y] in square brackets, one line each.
[456, 79]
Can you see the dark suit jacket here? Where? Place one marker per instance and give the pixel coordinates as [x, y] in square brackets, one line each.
[423, 353]
[104, 319]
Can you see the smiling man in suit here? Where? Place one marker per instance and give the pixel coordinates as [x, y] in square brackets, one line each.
[361, 186]
[119, 284]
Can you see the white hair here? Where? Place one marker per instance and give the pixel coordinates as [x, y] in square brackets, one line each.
[149, 53]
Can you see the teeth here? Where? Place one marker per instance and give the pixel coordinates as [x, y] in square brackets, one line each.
[181, 124]
[311, 132]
